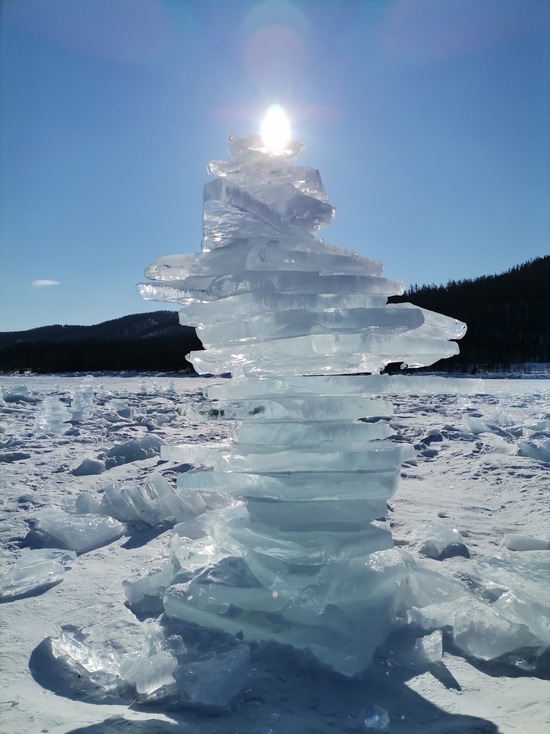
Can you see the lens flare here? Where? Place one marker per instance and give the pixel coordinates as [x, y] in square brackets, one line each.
[275, 129]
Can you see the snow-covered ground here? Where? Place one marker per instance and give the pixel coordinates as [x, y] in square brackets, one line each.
[482, 469]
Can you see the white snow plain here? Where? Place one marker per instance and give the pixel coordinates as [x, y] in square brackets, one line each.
[474, 510]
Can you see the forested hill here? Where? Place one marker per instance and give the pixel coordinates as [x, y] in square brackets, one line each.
[144, 342]
[135, 326]
[508, 315]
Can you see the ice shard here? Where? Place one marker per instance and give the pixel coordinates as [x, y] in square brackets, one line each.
[36, 570]
[79, 533]
[304, 327]
[153, 502]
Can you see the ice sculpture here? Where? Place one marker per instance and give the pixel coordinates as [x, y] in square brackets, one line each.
[53, 418]
[83, 400]
[304, 554]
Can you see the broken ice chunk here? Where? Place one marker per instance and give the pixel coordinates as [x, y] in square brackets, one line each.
[191, 528]
[34, 571]
[177, 504]
[439, 541]
[118, 502]
[153, 502]
[516, 542]
[135, 450]
[121, 408]
[425, 587]
[107, 646]
[430, 646]
[376, 719]
[476, 425]
[19, 394]
[80, 533]
[536, 450]
[23, 579]
[110, 647]
[214, 682]
[488, 636]
[527, 573]
[60, 555]
[193, 555]
[89, 467]
[524, 610]
[432, 435]
[85, 503]
[477, 629]
[151, 667]
[152, 585]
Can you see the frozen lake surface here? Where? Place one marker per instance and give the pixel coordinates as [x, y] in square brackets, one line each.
[482, 471]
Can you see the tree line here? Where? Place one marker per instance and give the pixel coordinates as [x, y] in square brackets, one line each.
[148, 342]
[508, 315]
[161, 354]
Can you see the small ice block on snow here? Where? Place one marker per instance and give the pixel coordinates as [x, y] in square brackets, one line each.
[88, 467]
[517, 542]
[107, 645]
[137, 449]
[521, 608]
[152, 584]
[376, 719]
[439, 541]
[217, 680]
[86, 502]
[430, 647]
[152, 502]
[425, 586]
[477, 628]
[535, 449]
[35, 570]
[80, 533]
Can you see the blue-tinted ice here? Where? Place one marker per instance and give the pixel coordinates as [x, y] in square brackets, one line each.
[303, 556]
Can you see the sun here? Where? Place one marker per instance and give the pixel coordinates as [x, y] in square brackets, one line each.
[275, 129]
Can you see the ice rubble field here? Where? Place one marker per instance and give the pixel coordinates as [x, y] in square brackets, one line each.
[469, 651]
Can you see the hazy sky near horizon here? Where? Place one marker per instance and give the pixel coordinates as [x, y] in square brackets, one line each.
[429, 121]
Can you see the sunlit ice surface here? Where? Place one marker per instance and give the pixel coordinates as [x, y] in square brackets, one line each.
[275, 128]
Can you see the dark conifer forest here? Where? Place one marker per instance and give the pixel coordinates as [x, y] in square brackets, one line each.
[508, 317]
[147, 342]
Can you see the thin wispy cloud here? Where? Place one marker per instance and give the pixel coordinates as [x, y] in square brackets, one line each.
[43, 283]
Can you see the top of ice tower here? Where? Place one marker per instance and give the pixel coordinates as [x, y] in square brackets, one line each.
[270, 297]
[273, 143]
[253, 148]
[275, 129]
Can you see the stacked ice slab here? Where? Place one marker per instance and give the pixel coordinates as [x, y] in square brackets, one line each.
[305, 558]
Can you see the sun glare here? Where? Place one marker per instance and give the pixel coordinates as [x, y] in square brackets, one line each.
[275, 128]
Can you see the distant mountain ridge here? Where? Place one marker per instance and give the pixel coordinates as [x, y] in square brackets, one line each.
[144, 342]
[134, 326]
[508, 318]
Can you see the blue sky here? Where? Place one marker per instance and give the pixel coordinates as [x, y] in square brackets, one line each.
[429, 121]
